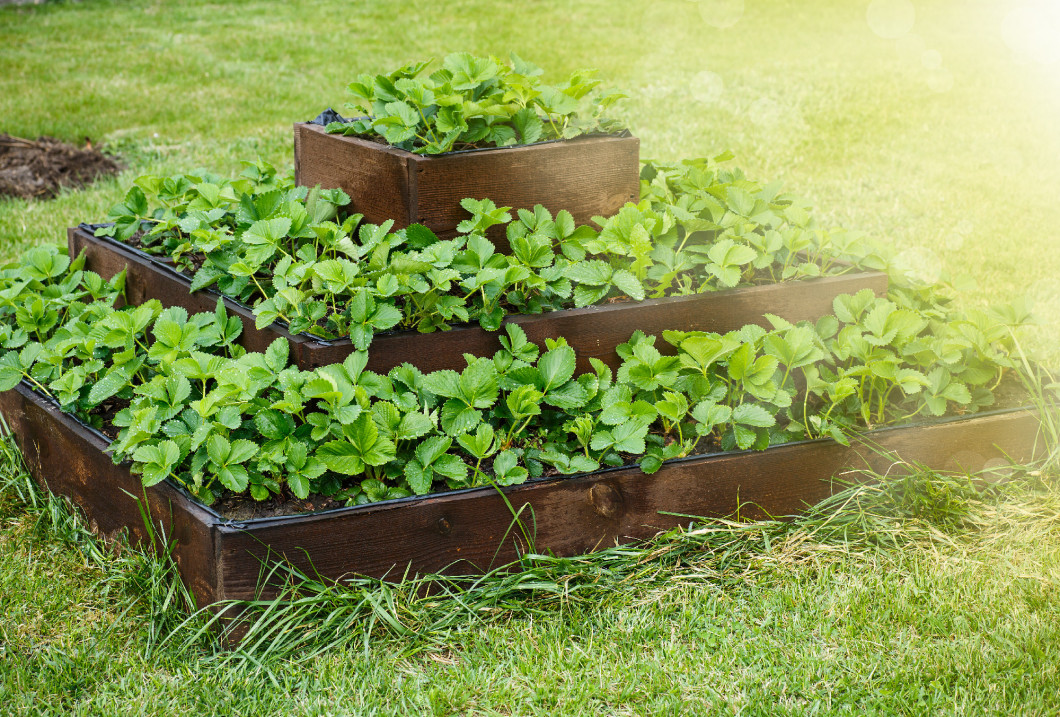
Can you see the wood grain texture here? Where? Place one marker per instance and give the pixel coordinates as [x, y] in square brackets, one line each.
[471, 530]
[587, 176]
[591, 176]
[593, 331]
[374, 175]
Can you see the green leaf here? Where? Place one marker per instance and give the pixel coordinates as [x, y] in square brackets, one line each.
[479, 385]
[556, 367]
[112, 382]
[413, 425]
[628, 284]
[242, 451]
[450, 467]
[591, 273]
[10, 371]
[750, 414]
[745, 437]
[278, 354]
[158, 460]
[342, 457]
[420, 479]
[218, 448]
[481, 444]
[506, 469]
[458, 418]
[267, 231]
[587, 296]
[710, 414]
[234, 478]
[298, 484]
[528, 125]
[429, 450]
[444, 383]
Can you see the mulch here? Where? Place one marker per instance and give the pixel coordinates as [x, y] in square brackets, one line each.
[38, 169]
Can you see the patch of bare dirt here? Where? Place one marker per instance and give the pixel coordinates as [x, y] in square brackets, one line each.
[37, 169]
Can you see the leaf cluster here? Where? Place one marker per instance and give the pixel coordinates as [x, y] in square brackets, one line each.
[471, 102]
[287, 253]
[189, 405]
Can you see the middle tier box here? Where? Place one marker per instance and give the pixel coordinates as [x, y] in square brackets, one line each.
[592, 331]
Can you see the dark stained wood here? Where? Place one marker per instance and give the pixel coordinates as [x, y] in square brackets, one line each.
[593, 331]
[374, 175]
[472, 530]
[587, 176]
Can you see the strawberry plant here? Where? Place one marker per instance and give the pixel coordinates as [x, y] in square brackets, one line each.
[288, 253]
[472, 102]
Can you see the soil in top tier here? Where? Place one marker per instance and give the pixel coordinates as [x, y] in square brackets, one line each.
[37, 169]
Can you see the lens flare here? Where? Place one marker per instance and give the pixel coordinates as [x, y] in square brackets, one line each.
[1032, 32]
[721, 14]
[940, 80]
[919, 264]
[891, 19]
[931, 59]
[707, 87]
[911, 48]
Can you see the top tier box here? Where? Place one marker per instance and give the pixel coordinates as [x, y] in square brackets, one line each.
[588, 176]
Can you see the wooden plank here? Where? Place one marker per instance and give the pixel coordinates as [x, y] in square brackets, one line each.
[587, 176]
[374, 175]
[593, 331]
[591, 176]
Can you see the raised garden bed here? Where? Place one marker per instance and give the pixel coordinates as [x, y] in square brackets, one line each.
[471, 530]
[588, 176]
[592, 331]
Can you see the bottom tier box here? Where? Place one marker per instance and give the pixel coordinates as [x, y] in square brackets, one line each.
[471, 531]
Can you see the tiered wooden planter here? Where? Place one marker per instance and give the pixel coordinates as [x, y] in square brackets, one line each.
[471, 530]
[592, 331]
[587, 176]
[465, 531]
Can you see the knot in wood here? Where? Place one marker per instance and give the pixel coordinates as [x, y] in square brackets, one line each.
[605, 499]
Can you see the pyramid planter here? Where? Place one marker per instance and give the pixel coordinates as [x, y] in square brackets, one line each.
[472, 530]
[593, 331]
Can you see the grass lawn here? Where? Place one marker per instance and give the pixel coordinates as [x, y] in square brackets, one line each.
[942, 140]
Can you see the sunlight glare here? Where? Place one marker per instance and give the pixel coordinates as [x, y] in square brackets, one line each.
[891, 19]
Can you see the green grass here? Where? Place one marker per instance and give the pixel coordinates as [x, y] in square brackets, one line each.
[860, 606]
[953, 612]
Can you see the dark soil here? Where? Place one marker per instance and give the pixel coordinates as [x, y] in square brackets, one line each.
[38, 169]
[106, 412]
[243, 507]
